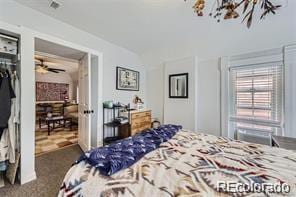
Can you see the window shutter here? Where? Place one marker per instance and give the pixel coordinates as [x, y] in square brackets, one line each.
[257, 98]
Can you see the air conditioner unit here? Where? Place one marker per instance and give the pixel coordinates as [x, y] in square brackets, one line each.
[253, 138]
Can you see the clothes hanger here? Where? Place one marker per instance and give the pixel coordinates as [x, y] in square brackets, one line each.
[1, 69]
[4, 70]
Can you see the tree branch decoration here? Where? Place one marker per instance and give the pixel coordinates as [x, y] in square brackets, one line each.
[229, 9]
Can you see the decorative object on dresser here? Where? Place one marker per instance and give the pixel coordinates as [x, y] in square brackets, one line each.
[127, 79]
[178, 85]
[139, 104]
[140, 120]
[115, 123]
[155, 124]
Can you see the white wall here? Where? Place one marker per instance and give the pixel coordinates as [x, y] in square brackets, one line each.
[208, 97]
[59, 78]
[109, 83]
[31, 23]
[155, 87]
[201, 112]
[181, 111]
[113, 54]
[228, 38]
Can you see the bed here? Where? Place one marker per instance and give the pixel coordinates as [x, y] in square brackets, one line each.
[189, 164]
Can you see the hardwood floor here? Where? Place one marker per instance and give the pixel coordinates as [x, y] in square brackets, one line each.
[59, 138]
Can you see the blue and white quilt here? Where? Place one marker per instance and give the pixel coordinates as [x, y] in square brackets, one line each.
[124, 153]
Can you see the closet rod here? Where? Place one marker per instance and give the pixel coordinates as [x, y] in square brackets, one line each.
[8, 37]
[7, 63]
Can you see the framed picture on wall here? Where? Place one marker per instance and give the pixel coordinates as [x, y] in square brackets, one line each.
[51, 91]
[178, 85]
[127, 79]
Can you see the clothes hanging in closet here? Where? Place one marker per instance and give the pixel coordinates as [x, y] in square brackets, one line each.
[14, 121]
[4, 148]
[6, 94]
[9, 94]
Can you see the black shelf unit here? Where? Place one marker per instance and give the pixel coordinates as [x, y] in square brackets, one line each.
[113, 113]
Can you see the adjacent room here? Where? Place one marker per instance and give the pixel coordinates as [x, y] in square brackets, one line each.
[61, 81]
[56, 97]
[147, 98]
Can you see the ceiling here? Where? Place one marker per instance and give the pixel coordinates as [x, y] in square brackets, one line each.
[139, 25]
[59, 63]
[57, 50]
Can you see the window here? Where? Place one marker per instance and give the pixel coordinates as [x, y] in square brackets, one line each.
[257, 99]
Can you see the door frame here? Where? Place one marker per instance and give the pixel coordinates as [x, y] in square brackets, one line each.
[28, 119]
[89, 52]
[82, 121]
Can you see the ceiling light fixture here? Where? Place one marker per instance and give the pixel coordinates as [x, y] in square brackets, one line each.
[229, 9]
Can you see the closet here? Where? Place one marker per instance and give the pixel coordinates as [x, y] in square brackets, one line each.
[9, 106]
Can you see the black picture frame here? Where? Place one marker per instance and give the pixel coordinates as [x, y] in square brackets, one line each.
[186, 95]
[119, 83]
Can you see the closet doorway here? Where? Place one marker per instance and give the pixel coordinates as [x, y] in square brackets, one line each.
[66, 97]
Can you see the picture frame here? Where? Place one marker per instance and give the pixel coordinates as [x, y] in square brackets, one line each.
[46, 91]
[178, 86]
[127, 79]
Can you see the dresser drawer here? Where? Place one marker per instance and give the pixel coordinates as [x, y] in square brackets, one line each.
[140, 121]
[141, 114]
[137, 130]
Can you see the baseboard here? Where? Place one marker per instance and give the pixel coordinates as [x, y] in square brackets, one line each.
[28, 178]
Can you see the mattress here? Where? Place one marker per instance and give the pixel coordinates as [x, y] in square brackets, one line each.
[192, 164]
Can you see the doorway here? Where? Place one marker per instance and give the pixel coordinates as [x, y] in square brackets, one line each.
[66, 97]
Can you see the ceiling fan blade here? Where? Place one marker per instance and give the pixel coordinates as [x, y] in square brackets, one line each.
[38, 61]
[56, 69]
[52, 64]
[41, 70]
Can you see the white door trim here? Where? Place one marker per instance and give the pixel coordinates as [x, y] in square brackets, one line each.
[290, 90]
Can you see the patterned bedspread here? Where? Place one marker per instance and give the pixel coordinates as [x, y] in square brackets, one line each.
[190, 164]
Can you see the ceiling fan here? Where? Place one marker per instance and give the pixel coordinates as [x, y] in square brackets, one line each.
[43, 67]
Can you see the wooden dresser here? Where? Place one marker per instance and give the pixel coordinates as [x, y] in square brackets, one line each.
[140, 120]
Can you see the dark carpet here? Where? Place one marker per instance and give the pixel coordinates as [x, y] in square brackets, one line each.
[51, 169]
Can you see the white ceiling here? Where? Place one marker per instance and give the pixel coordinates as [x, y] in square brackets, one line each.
[140, 25]
[59, 63]
[57, 50]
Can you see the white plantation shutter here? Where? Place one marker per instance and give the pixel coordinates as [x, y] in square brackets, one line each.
[257, 98]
